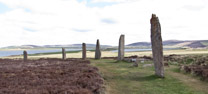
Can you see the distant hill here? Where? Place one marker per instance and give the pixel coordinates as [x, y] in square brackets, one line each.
[140, 44]
[176, 43]
[53, 46]
[172, 42]
[167, 43]
[23, 47]
[197, 44]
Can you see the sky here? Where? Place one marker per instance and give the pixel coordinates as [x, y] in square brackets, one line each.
[49, 22]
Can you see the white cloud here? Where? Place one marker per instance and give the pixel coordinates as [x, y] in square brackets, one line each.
[119, 1]
[57, 21]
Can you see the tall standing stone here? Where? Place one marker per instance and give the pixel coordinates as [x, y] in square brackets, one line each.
[98, 51]
[63, 54]
[157, 46]
[121, 48]
[83, 51]
[25, 55]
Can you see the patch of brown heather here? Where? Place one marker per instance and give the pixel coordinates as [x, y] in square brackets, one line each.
[49, 76]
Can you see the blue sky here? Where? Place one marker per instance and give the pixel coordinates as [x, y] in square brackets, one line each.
[97, 4]
[4, 8]
[41, 22]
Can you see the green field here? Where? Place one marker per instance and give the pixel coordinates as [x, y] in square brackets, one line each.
[120, 78]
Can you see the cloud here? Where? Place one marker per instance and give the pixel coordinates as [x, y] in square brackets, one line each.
[70, 21]
[99, 4]
[29, 29]
[113, 1]
[108, 21]
[81, 30]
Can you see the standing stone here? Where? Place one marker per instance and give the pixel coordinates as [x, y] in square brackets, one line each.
[63, 54]
[157, 46]
[98, 51]
[121, 48]
[25, 55]
[83, 51]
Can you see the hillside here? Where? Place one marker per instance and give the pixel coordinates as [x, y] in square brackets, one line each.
[167, 43]
[54, 46]
[176, 43]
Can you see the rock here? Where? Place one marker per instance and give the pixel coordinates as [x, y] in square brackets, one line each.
[25, 55]
[63, 54]
[135, 64]
[157, 46]
[130, 60]
[133, 60]
[147, 65]
[121, 48]
[83, 51]
[142, 61]
[98, 51]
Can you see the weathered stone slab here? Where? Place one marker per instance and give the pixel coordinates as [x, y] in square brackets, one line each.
[157, 46]
[121, 48]
[84, 51]
[25, 55]
[63, 54]
[98, 51]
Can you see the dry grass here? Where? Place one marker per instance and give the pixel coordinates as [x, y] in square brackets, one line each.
[91, 54]
[189, 81]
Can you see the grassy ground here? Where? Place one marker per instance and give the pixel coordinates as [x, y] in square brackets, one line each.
[120, 78]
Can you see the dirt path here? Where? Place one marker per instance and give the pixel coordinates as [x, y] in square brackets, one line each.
[190, 81]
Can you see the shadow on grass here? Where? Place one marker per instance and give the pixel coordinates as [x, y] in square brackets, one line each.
[120, 61]
[146, 78]
[177, 70]
[116, 62]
